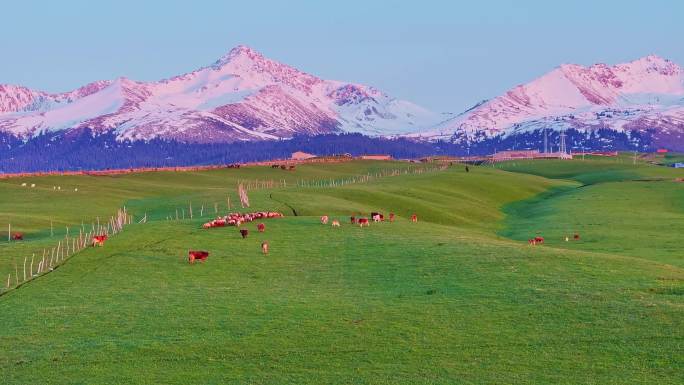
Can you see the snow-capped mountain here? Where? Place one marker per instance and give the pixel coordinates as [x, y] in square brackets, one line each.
[242, 96]
[646, 95]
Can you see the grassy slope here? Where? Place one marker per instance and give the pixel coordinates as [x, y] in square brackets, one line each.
[619, 208]
[31, 210]
[441, 301]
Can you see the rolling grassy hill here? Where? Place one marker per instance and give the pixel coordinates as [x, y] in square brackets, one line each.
[450, 299]
[618, 208]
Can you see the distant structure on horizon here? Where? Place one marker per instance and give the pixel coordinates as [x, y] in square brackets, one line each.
[529, 154]
[301, 155]
[376, 157]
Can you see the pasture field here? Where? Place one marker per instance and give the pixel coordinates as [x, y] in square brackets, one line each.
[458, 297]
[618, 207]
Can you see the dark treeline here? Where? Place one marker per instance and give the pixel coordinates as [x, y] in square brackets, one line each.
[85, 151]
[88, 152]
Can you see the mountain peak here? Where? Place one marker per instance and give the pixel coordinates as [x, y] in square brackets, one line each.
[652, 58]
[239, 52]
[653, 63]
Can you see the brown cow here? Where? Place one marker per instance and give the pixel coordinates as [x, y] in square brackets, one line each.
[391, 217]
[576, 237]
[414, 218]
[353, 220]
[18, 237]
[264, 247]
[261, 227]
[99, 240]
[244, 233]
[194, 255]
[363, 222]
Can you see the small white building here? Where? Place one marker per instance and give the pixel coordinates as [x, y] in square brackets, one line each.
[300, 155]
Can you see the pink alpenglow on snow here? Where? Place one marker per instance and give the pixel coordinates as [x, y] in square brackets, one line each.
[647, 93]
[242, 96]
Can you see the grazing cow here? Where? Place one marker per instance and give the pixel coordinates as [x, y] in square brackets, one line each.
[353, 220]
[324, 219]
[377, 217]
[23, 184]
[261, 227]
[275, 166]
[244, 233]
[292, 168]
[576, 237]
[567, 239]
[539, 239]
[283, 167]
[18, 237]
[363, 222]
[391, 217]
[264, 247]
[414, 218]
[194, 255]
[99, 240]
[335, 223]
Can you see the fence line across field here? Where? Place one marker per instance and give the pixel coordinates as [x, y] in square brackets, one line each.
[51, 258]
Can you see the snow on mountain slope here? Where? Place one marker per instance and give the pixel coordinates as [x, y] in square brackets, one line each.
[647, 93]
[242, 96]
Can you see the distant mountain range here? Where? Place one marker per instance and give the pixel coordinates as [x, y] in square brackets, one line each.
[643, 97]
[245, 96]
[242, 96]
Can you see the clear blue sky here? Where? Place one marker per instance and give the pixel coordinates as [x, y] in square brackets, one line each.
[445, 55]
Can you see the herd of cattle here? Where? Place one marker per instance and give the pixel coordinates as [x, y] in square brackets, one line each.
[363, 221]
[237, 219]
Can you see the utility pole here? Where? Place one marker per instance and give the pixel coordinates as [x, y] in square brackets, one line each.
[545, 142]
[562, 148]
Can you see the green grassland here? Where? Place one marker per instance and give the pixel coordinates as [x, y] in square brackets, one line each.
[616, 207]
[455, 298]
